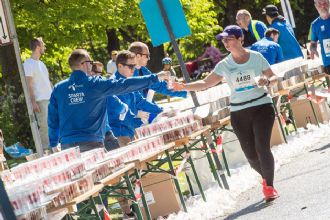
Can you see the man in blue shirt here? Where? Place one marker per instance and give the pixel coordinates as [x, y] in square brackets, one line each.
[253, 30]
[77, 108]
[142, 57]
[124, 129]
[268, 47]
[320, 31]
[287, 40]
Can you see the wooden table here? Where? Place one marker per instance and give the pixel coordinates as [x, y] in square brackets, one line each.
[115, 177]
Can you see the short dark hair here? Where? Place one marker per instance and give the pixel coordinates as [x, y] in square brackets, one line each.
[123, 56]
[271, 31]
[76, 57]
[35, 42]
[206, 45]
[137, 47]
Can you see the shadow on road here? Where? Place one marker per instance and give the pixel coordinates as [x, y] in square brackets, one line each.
[321, 149]
[251, 208]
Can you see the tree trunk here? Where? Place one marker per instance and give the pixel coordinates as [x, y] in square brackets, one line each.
[113, 41]
[156, 56]
[17, 109]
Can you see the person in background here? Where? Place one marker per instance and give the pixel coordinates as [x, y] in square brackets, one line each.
[97, 68]
[111, 65]
[39, 86]
[269, 47]
[77, 107]
[320, 32]
[110, 141]
[142, 57]
[167, 66]
[137, 104]
[211, 52]
[253, 30]
[252, 114]
[287, 40]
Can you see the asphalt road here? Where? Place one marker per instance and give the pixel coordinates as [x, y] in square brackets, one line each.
[304, 188]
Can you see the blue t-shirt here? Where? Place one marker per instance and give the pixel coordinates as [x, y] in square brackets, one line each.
[241, 79]
[287, 40]
[269, 49]
[321, 32]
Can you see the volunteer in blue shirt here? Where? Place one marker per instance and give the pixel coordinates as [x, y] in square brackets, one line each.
[124, 129]
[253, 30]
[269, 47]
[77, 108]
[142, 57]
[287, 40]
[320, 31]
[252, 114]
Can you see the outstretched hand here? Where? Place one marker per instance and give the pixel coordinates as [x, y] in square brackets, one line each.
[176, 86]
[263, 82]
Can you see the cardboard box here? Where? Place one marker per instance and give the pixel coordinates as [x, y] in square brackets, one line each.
[303, 113]
[161, 195]
[277, 136]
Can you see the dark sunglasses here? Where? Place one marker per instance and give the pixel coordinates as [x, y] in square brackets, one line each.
[131, 66]
[145, 54]
[88, 61]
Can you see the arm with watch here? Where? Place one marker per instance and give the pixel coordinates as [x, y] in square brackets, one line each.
[269, 78]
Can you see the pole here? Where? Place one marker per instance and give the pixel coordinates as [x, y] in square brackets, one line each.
[176, 49]
[13, 36]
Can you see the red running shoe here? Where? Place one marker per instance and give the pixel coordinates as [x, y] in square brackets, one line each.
[269, 192]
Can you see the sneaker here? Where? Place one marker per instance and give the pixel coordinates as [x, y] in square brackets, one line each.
[269, 192]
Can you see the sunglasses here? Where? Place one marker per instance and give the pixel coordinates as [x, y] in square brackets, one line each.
[225, 40]
[130, 66]
[145, 54]
[88, 61]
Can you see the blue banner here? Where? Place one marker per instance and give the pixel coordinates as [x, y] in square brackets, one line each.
[155, 23]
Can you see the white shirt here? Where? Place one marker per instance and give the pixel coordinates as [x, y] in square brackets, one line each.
[41, 85]
[111, 67]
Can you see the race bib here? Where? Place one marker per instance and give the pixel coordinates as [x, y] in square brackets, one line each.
[244, 81]
[326, 47]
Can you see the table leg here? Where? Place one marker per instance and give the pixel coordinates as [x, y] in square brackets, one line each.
[135, 204]
[176, 182]
[310, 102]
[144, 201]
[223, 154]
[195, 174]
[279, 120]
[189, 185]
[213, 168]
[97, 216]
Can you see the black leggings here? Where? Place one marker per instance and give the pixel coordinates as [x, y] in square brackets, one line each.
[253, 127]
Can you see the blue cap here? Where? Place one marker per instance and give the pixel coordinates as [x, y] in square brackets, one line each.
[231, 30]
[167, 60]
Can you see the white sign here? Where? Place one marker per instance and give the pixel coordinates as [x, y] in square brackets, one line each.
[4, 33]
[149, 199]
